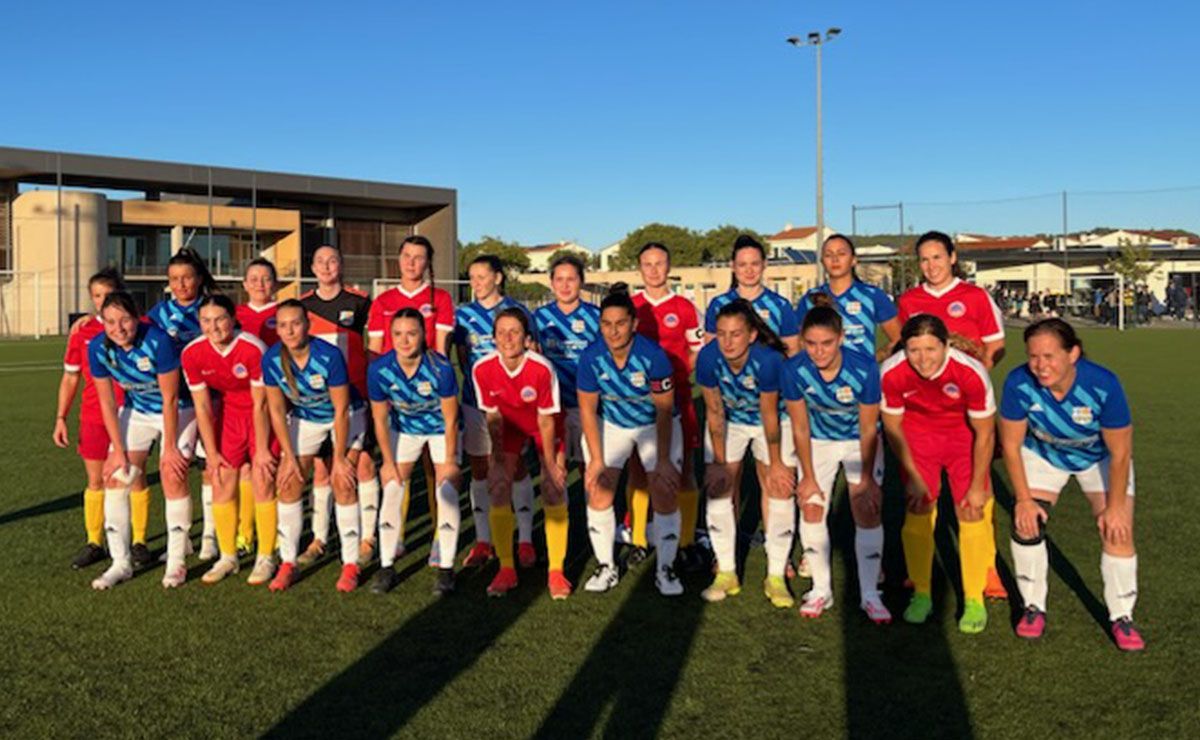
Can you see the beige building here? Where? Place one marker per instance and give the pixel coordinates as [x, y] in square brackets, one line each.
[539, 256]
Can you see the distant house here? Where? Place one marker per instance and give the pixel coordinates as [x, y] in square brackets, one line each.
[801, 238]
[539, 256]
[608, 254]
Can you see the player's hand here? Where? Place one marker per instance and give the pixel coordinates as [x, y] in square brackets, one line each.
[343, 472]
[60, 435]
[1116, 524]
[666, 475]
[974, 501]
[780, 479]
[806, 489]
[79, 323]
[289, 468]
[868, 495]
[591, 474]
[498, 482]
[117, 462]
[173, 460]
[555, 474]
[221, 468]
[1027, 515]
[265, 464]
[718, 479]
[450, 472]
[916, 492]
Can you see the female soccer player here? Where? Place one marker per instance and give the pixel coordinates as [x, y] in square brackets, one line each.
[863, 307]
[139, 358]
[833, 400]
[518, 390]
[93, 438]
[626, 404]
[1063, 415]
[416, 290]
[749, 261]
[414, 406]
[739, 375]
[938, 411]
[223, 370]
[311, 400]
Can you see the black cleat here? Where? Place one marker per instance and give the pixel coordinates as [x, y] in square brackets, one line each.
[636, 557]
[385, 580]
[691, 559]
[141, 555]
[89, 555]
[444, 585]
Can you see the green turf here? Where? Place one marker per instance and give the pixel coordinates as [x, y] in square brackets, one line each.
[234, 661]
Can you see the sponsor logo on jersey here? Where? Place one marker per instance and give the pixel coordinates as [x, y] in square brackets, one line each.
[528, 394]
[240, 371]
[210, 371]
[853, 308]
[316, 381]
[637, 379]
[425, 388]
[1082, 414]
[956, 310]
[345, 318]
[603, 375]
[845, 394]
[578, 326]
[952, 390]
[671, 321]
[748, 382]
[426, 310]
[1036, 407]
[144, 364]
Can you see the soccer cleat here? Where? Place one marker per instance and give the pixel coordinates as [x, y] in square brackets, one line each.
[776, 590]
[802, 568]
[505, 581]
[140, 555]
[264, 568]
[815, 604]
[435, 554]
[876, 611]
[175, 576]
[314, 552]
[526, 555]
[116, 573]
[1126, 636]
[208, 549]
[444, 584]
[994, 589]
[974, 618]
[89, 555]
[560, 587]
[284, 578]
[480, 554]
[1032, 624]
[636, 557]
[604, 578]
[348, 580]
[245, 545]
[920, 606]
[366, 553]
[623, 535]
[690, 559]
[667, 581]
[723, 585]
[226, 566]
[385, 580]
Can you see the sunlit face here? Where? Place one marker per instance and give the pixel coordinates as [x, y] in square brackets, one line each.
[566, 283]
[184, 283]
[822, 345]
[1053, 366]
[838, 258]
[327, 266]
[99, 290]
[734, 337]
[510, 337]
[937, 265]
[413, 262]
[617, 327]
[119, 326]
[655, 266]
[259, 284]
[484, 282]
[926, 353]
[408, 337]
[291, 324]
[748, 266]
[217, 324]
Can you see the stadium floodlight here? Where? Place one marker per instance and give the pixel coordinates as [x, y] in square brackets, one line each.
[831, 33]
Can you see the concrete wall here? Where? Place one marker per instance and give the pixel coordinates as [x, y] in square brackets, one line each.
[442, 229]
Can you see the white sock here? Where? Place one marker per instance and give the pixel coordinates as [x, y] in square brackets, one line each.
[814, 536]
[868, 551]
[481, 505]
[116, 525]
[1120, 585]
[722, 532]
[389, 522]
[666, 537]
[322, 507]
[368, 506]
[522, 502]
[291, 521]
[348, 529]
[179, 521]
[449, 518]
[781, 515]
[1030, 566]
[602, 525]
[206, 501]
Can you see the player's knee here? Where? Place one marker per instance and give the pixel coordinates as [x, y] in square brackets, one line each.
[813, 513]
[1040, 536]
[663, 501]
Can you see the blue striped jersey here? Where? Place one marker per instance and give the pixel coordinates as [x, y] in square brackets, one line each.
[181, 323]
[1067, 433]
[563, 338]
[473, 331]
[833, 405]
[774, 309]
[740, 390]
[325, 369]
[416, 402]
[137, 369]
[625, 392]
[863, 308]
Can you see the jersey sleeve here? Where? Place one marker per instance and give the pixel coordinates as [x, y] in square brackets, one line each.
[191, 371]
[1114, 409]
[585, 378]
[443, 310]
[458, 335]
[95, 357]
[268, 373]
[789, 326]
[254, 369]
[789, 382]
[885, 310]
[447, 381]
[706, 371]
[710, 318]
[375, 327]
[661, 372]
[892, 390]
[803, 306]
[338, 374]
[903, 309]
[165, 358]
[1012, 402]
[991, 321]
[548, 400]
[981, 399]
[74, 358]
[478, 382]
[693, 326]
[375, 389]
[770, 372]
[872, 392]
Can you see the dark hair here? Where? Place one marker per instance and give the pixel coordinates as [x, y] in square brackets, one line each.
[824, 316]
[189, 256]
[920, 325]
[285, 355]
[125, 302]
[495, 264]
[618, 297]
[109, 276]
[1067, 337]
[744, 241]
[408, 312]
[421, 241]
[654, 245]
[842, 237]
[946, 242]
[512, 312]
[264, 262]
[743, 308]
[222, 300]
[568, 259]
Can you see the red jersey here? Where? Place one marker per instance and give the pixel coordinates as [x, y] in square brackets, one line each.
[519, 396]
[228, 374]
[437, 309]
[259, 321]
[965, 308]
[76, 361]
[672, 322]
[959, 389]
[341, 321]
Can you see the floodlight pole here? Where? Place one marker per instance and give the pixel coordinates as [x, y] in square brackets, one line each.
[815, 39]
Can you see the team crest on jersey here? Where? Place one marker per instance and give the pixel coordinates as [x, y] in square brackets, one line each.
[316, 381]
[956, 310]
[239, 371]
[671, 321]
[345, 318]
[1082, 414]
[578, 326]
[270, 322]
[637, 379]
[144, 364]
[845, 394]
[853, 308]
[748, 382]
[765, 314]
[426, 310]
[425, 388]
[528, 394]
[951, 389]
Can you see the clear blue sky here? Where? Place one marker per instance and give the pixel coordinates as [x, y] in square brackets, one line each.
[586, 120]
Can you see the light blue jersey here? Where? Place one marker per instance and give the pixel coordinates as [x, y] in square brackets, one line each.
[833, 405]
[563, 338]
[137, 369]
[741, 390]
[1067, 433]
[626, 398]
[772, 307]
[416, 401]
[474, 331]
[863, 308]
[180, 323]
[325, 369]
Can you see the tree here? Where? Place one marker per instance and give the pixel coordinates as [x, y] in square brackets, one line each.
[716, 245]
[906, 271]
[683, 242]
[583, 255]
[1134, 263]
[510, 253]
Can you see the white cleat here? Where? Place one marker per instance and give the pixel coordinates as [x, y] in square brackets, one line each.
[815, 604]
[667, 582]
[175, 576]
[226, 566]
[264, 570]
[116, 573]
[876, 611]
[208, 549]
[604, 578]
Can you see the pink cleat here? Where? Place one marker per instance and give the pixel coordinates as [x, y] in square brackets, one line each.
[1126, 636]
[1032, 624]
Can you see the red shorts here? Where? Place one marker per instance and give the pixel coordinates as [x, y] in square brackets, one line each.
[235, 436]
[687, 413]
[515, 438]
[935, 450]
[93, 440]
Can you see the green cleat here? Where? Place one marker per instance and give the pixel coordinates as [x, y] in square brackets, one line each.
[775, 589]
[724, 584]
[974, 618]
[920, 606]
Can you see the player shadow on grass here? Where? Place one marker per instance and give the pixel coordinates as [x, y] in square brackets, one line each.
[62, 503]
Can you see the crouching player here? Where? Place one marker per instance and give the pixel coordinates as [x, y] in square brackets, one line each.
[1063, 415]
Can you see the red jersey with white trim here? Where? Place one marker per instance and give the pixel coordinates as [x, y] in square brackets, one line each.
[228, 374]
[965, 308]
[341, 321]
[959, 389]
[519, 396]
[259, 321]
[436, 307]
[674, 323]
[75, 360]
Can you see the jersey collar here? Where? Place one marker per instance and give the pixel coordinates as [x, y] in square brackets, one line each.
[418, 289]
[945, 362]
[646, 296]
[939, 293]
[520, 367]
[260, 309]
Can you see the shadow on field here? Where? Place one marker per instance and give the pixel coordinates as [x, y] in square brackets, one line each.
[70, 501]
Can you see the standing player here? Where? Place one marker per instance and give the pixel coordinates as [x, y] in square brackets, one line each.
[414, 406]
[93, 437]
[139, 358]
[863, 307]
[938, 412]
[739, 375]
[626, 405]
[1063, 415]
[518, 390]
[749, 261]
[312, 402]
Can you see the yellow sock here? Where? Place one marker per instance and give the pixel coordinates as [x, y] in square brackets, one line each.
[556, 535]
[139, 514]
[225, 519]
[973, 548]
[266, 521]
[989, 514]
[93, 516]
[246, 510]
[502, 520]
[639, 512]
[689, 504]
[917, 537]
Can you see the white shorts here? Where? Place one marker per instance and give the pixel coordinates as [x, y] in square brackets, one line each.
[1040, 475]
[829, 454]
[618, 444]
[308, 436]
[407, 447]
[476, 441]
[739, 437]
[140, 431]
[574, 431]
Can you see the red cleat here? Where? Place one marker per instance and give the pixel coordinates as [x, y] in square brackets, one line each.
[479, 555]
[505, 581]
[349, 578]
[284, 578]
[1032, 624]
[560, 587]
[995, 587]
[526, 556]
[1126, 636]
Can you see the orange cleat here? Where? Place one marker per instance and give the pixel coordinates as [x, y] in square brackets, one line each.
[505, 581]
[526, 555]
[284, 578]
[560, 587]
[479, 555]
[995, 587]
[349, 578]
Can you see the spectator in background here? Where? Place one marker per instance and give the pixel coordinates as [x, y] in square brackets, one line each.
[1035, 305]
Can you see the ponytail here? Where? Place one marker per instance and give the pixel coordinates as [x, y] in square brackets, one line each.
[618, 297]
[285, 355]
[189, 256]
